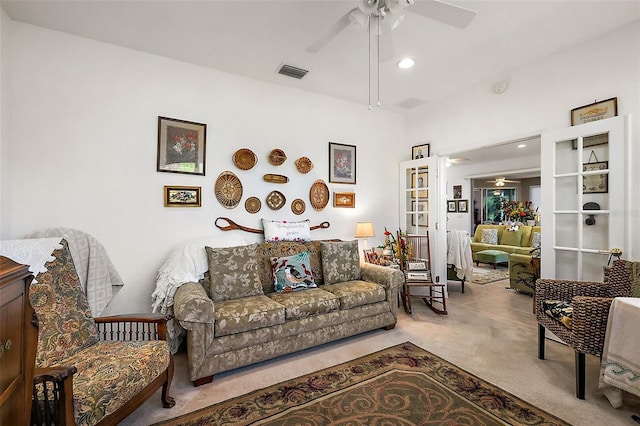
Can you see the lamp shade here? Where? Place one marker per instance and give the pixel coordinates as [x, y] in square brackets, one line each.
[364, 230]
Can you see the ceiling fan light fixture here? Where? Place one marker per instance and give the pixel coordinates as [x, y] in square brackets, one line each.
[406, 63]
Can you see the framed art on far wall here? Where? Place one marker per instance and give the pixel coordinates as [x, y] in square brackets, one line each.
[342, 163]
[344, 199]
[420, 151]
[451, 206]
[181, 146]
[463, 206]
[182, 196]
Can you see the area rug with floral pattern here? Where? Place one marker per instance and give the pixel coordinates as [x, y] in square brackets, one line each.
[403, 384]
[486, 276]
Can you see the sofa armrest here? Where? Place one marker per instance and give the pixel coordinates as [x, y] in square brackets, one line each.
[192, 305]
[383, 275]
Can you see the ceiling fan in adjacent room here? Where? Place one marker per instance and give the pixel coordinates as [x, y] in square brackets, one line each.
[501, 180]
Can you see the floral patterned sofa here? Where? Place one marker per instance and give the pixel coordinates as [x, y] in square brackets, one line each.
[234, 316]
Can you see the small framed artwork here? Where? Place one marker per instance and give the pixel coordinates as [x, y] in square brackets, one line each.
[451, 206]
[457, 192]
[182, 196]
[371, 256]
[342, 163]
[463, 206]
[596, 183]
[181, 146]
[594, 112]
[344, 199]
[420, 151]
[422, 216]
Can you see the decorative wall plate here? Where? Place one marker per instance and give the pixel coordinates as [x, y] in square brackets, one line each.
[298, 206]
[277, 157]
[252, 204]
[244, 159]
[319, 195]
[304, 165]
[275, 178]
[275, 200]
[228, 189]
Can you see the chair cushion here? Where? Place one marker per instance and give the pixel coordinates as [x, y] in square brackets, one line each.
[559, 310]
[356, 293]
[64, 317]
[233, 272]
[302, 304]
[340, 261]
[248, 313]
[110, 373]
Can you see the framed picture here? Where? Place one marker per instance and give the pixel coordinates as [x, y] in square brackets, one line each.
[182, 196]
[342, 163]
[596, 183]
[371, 256]
[420, 181]
[416, 266]
[595, 111]
[451, 206]
[589, 141]
[181, 146]
[420, 151]
[344, 199]
[422, 218]
[457, 191]
[463, 206]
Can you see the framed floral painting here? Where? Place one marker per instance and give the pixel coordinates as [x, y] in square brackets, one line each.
[342, 163]
[181, 146]
[182, 196]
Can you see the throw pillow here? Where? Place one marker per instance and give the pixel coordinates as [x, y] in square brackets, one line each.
[286, 231]
[511, 238]
[489, 236]
[292, 273]
[536, 239]
[233, 272]
[340, 261]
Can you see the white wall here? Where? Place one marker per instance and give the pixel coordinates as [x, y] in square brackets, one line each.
[80, 150]
[541, 96]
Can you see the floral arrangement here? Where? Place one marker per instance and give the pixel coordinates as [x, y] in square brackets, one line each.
[518, 210]
[397, 244]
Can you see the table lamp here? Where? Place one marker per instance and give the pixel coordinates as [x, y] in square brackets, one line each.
[364, 230]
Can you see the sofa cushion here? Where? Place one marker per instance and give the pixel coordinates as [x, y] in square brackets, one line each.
[511, 238]
[66, 325]
[292, 273]
[301, 304]
[110, 373]
[489, 236]
[275, 230]
[233, 272]
[248, 313]
[340, 261]
[356, 293]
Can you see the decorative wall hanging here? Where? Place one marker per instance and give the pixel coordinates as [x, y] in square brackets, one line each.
[451, 206]
[304, 165]
[463, 206]
[594, 112]
[275, 200]
[181, 146]
[342, 163]
[271, 178]
[245, 159]
[420, 151]
[228, 189]
[277, 157]
[182, 196]
[457, 192]
[344, 199]
[252, 205]
[232, 226]
[298, 206]
[319, 195]
[595, 183]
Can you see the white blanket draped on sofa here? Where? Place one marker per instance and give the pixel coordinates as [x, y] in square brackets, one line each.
[459, 253]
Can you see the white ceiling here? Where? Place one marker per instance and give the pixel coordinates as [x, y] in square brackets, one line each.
[253, 38]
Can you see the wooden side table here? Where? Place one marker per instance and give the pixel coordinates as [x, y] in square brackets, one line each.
[436, 293]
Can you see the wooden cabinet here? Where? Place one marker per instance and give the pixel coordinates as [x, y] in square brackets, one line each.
[18, 338]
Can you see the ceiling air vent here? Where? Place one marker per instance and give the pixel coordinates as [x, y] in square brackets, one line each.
[291, 71]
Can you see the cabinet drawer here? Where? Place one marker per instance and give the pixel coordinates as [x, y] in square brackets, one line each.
[11, 334]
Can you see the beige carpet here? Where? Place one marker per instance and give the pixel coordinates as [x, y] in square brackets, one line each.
[485, 275]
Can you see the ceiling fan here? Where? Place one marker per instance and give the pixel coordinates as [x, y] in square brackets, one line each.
[385, 15]
[501, 180]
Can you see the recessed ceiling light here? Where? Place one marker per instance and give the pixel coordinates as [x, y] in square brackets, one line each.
[405, 63]
[522, 145]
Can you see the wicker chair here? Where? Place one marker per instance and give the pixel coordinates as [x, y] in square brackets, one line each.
[589, 302]
[92, 371]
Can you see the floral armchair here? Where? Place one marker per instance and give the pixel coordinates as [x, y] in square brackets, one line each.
[92, 371]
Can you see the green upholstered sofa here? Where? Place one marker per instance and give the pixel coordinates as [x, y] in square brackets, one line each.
[521, 272]
[350, 298]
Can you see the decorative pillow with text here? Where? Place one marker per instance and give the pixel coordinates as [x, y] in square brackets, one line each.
[286, 231]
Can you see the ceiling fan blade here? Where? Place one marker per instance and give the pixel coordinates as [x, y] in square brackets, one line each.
[386, 42]
[330, 34]
[455, 16]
